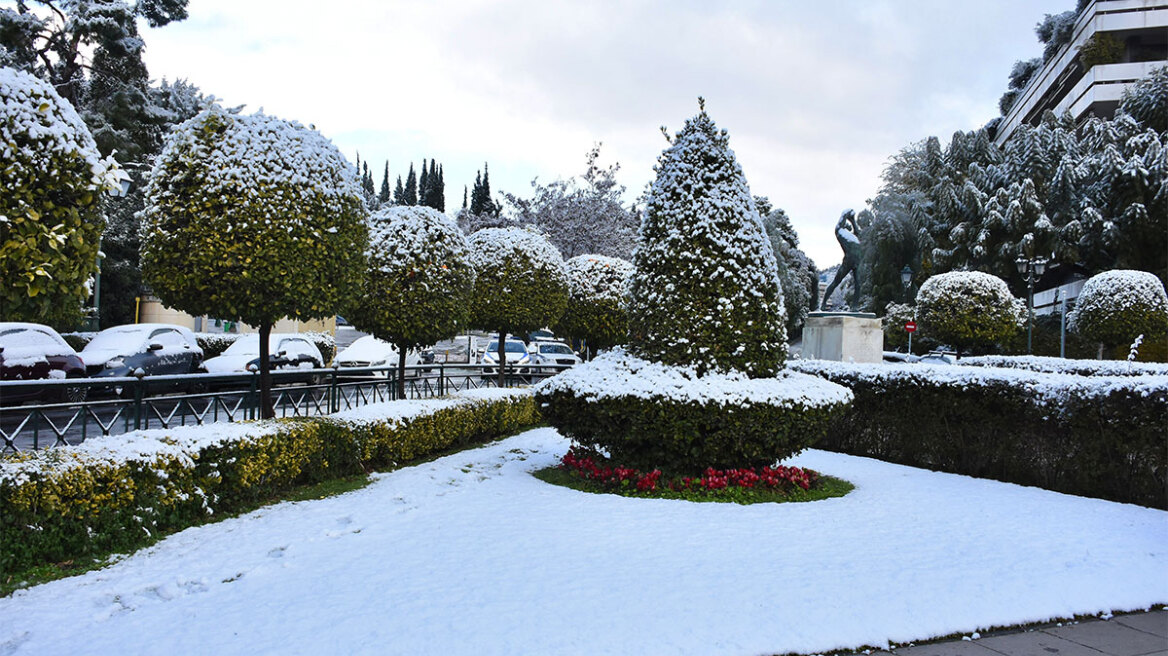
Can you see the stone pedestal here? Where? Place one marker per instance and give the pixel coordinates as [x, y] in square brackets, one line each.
[843, 336]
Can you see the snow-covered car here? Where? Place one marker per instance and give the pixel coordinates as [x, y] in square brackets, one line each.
[517, 356]
[369, 351]
[152, 348]
[554, 353]
[31, 351]
[287, 351]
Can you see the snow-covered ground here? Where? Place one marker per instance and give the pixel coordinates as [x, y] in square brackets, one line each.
[470, 554]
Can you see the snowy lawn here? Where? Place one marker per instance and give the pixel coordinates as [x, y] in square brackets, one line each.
[470, 554]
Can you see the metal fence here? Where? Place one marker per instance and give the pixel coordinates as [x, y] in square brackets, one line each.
[118, 405]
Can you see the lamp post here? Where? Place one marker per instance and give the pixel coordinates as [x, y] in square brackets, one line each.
[906, 275]
[1031, 269]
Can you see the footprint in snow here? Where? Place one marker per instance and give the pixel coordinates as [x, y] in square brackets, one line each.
[278, 552]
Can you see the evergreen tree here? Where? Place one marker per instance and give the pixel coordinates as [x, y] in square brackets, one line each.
[464, 197]
[424, 185]
[383, 195]
[410, 197]
[704, 267]
[440, 191]
[399, 193]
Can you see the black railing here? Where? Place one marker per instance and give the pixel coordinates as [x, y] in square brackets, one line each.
[118, 405]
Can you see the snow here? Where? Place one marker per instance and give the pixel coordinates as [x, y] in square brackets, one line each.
[1116, 293]
[412, 237]
[492, 248]
[596, 278]
[471, 554]
[367, 349]
[618, 374]
[1068, 366]
[26, 344]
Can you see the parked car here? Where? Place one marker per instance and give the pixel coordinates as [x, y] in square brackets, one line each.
[550, 352]
[939, 357]
[152, 348]
[31, 351]
[517, 355]
[369, 351]
[287, 351]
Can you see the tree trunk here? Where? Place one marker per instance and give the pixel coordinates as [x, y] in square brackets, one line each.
[267, 410]
[401, 371]
[502, 381]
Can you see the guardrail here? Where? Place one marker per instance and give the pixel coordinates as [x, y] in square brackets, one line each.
[119, 405]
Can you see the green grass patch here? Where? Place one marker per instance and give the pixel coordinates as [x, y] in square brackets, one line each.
[826, 487]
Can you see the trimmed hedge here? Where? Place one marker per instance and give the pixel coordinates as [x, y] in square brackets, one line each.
[114, 494]
[1091, 436]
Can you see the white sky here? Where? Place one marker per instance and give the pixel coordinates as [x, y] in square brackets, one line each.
[816, 96]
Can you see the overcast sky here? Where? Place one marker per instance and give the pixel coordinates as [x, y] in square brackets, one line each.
[816, 96]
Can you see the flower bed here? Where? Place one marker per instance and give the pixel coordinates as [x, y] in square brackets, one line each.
[592, 466]
[117, 492]
[1100, 436]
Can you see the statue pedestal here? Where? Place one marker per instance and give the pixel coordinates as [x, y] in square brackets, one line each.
[843, 337]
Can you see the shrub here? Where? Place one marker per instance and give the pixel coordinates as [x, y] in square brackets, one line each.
[53, 179]
[649, 415]
[418, 284]
[115, 493]
[968, 310]
[595, 311]
[1096, 436]
[1116, 306]
[520, 283]
[706, 291]
[252, 218]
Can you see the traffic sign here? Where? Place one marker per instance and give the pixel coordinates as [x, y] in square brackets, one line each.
[910, 326]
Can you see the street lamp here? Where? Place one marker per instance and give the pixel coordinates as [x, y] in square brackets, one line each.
[906, 275]
[1031, 269]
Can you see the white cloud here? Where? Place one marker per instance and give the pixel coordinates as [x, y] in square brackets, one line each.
[816, 98]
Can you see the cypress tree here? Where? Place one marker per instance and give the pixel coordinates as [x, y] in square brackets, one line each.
[464, 197]
[439, 190]
[424, 185]
[476, 195]
[410, 197]
[399, 193]
[383, 195]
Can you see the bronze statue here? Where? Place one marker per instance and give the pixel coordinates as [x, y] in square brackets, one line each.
[847, 233]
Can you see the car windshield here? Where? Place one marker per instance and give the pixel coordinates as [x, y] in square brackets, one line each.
[122, 340]
[555, 349]
[510, 347]
[246, 345]
[28, 343]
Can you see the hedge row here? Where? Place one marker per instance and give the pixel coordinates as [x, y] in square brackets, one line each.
[1068, 366]
[1097, 436]
[113, 494]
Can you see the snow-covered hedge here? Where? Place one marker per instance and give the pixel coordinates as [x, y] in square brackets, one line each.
[51, 183]
[596, 310]
[1117, 306]
[1066, 366]
[116, 492]
[967, 309]
[651, 415]
[1100, 436]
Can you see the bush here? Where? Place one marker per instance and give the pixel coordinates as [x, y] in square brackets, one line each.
[596, 311]
[115, 493]
[1117, 306]
[1093, 436]
[50, 211]
[968, 310]
[648, 415]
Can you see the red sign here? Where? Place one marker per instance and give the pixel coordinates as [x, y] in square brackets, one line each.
[910, 326]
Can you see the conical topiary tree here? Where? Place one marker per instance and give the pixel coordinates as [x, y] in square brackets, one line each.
[701, 382]
[706, 290]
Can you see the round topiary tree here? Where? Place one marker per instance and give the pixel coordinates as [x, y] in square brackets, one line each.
[51, 209]
[417, 288]
[1117, 306]
[596, 310]
[520, 283]
[968, 310]
[700, 384]
[253, 218]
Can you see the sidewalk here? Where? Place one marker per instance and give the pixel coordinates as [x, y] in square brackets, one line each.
[1138, 634]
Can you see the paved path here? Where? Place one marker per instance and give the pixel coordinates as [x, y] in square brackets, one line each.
[1138, 634]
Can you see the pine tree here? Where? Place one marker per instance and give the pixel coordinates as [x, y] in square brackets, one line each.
[383, 196]
[410, 197]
